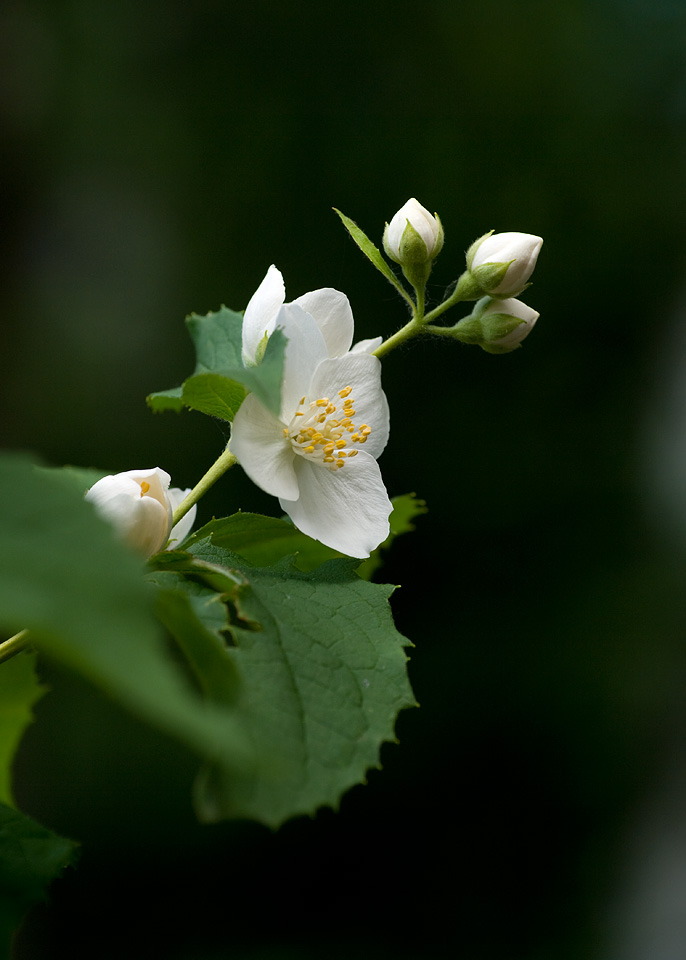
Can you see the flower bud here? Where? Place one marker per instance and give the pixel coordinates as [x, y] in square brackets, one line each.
[138, 504]
[413, 236]
[501, 263]
[504, 323]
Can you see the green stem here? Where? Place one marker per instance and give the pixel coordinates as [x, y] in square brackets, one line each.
[466, 289]
[14, 645]
[419, 315]
[445, 331]
[219, 467]
[410, 330]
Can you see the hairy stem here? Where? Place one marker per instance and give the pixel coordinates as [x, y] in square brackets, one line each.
[410, 330]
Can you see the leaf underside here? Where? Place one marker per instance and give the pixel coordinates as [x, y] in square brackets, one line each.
[219, 383]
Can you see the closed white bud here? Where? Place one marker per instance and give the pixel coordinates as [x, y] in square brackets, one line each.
[495, 315]
[413, 236]
[502, 263]
[139, 504]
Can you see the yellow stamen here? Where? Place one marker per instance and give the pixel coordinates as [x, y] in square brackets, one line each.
[323, 437]
[145, 486]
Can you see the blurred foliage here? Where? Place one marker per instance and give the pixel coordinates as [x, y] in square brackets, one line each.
[158, 157]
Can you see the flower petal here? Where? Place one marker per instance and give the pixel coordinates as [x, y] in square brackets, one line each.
[367, 346]
[148, 526]
[333, 315]
[363, 373]
[180, 530]
[260, 314]
[306, 347]
[141, 517]
[345, 509]
[257, 441]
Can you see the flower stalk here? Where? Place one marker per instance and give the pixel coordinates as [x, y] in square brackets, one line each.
[17, 643]
[218, 469]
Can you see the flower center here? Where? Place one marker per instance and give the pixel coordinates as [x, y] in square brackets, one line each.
[324, 432]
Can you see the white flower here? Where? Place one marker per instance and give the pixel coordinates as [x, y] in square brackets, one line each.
[423, 242]
[319, 456]
[329, 308]
[515, 308]
[139, 506]
[517, 251]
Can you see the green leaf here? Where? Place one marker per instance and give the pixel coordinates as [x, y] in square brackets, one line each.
[82, 596]
[31, 857]
[219, 382]
[213, 394]
[323, 676]
[263, 541]
[265, 379]
[19, 690]
[373, 253]
[217, 338]
[198, 620]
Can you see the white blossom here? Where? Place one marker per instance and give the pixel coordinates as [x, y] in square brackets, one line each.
[519, 250]
[329, 308]
[319, 455]
[139, 506]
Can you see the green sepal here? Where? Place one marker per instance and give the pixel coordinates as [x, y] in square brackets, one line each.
[466, 288]
[489, 276]
[469, 257]
[497, 325]
[499, 349]
[468, 331]
[483, 328]
[418, 274]
[371, 252]
[413, 250]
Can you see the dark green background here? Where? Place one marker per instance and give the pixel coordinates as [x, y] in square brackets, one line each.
[158, 156]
